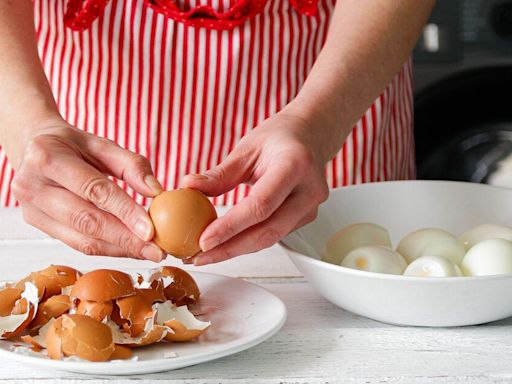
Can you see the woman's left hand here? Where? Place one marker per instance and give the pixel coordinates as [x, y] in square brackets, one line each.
[283, 159]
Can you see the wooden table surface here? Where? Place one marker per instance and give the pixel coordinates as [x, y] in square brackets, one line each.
[319, 343]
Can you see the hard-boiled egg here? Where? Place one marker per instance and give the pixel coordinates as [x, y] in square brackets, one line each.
[488, 257]
[432, 266]
[485, 232]
[431, 242]
[375, 258]
[352, 237]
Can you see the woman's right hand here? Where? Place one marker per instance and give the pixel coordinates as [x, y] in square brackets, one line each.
[62, 185]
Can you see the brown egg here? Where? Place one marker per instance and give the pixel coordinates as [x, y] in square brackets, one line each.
[81, 336]
[51, 280]
[97, 310]
[103, 285]
[179, 217]
[50, 309]
[183, 290]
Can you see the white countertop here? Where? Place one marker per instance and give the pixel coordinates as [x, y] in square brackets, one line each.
[319, 342]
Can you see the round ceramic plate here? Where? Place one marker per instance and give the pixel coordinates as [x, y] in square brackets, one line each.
[242, 315]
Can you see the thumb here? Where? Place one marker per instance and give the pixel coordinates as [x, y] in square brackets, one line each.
[221, 179]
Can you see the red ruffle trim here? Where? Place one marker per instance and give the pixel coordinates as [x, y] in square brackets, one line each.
[81, 13]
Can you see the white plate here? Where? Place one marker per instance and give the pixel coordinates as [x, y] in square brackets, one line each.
[242, 315]
[402, 207]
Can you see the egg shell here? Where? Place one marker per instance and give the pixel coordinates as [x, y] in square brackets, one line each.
[81, 336]
[22, 313]
[121, 353]
[179, 218]
[94, 309]
[135, 309]
[8, 298]
[431, 242]
[102, 285]
[152, 334]
[51, 308]
[432, 266]
[375, 258]
[354, 236]
[184, 325]
[183, 289]
[485, 232]
[51, 280]
[488, 257]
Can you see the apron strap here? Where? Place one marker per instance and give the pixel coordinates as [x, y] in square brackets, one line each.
[81, 13]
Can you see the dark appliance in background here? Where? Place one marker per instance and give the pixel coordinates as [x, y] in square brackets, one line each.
[463, 97]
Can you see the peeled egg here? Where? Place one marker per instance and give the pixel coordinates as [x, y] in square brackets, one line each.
[432, 266]
[431, 242]
[179, 217]
[352, 237]
[488, 257]
[485, 232]
[375, 258]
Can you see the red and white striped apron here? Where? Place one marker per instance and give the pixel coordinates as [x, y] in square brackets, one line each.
[181, 82]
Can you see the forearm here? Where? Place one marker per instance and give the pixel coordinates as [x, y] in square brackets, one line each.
[367, 44]
[25, 95]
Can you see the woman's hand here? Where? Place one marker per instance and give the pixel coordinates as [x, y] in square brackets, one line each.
[62, 185]
[284, 162]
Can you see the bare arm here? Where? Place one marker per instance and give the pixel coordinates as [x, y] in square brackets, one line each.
[61, 180]
[368, 42]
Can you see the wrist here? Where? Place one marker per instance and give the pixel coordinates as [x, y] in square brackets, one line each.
[321, 128]
[15, 135]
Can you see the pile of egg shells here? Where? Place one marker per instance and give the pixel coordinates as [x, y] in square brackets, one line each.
[428, 252]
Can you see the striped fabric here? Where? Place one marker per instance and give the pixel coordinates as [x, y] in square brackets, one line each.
[184, 96]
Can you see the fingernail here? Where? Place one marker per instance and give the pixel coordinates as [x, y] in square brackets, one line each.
[203, 260]
[153, 183]
[152, 252]
[197, 176]
[143, 229]
[209, 243]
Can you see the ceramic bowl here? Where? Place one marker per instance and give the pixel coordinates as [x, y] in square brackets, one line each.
[402, 207]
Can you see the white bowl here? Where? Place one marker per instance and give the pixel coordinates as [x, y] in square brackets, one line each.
[402, 207]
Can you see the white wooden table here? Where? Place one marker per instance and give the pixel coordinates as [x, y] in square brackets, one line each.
[319, 342]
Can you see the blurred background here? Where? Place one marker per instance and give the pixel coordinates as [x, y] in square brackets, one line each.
[463, 79]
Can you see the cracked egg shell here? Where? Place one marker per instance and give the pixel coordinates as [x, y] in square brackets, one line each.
[134, 311]
[50, 309]
[184, 325]
[97, 310]
[121, 353]
[152, 334]
[22, 313]
[8, 298]
[183, 289]
[102, 285]
[179, 218]
[81, 336]
[51, 280]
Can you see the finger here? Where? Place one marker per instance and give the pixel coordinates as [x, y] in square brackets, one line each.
[223, 178]
[70, 237]
[262, 235]
[267, 194]
[90, 184]
[309, 217]
[133, 168]
[84, 217]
